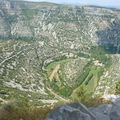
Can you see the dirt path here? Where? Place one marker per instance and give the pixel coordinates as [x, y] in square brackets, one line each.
[3, 101]
[15, 55]
[57, 96]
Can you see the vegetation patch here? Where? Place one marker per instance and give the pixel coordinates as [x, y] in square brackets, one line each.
[117, 89]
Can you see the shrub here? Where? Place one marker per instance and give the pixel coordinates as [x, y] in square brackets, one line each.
[13, 111]
[117, 90]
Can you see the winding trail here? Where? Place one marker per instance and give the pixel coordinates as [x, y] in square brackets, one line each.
[15, 55]
[3, 101]
[57, 96]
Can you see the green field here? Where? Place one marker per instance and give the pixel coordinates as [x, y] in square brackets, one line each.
[89, 77]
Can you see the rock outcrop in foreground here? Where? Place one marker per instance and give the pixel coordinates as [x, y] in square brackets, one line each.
[78, 111]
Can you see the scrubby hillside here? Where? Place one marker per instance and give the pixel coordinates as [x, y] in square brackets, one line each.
[51, 52]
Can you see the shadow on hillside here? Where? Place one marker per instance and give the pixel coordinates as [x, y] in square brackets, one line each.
[109, 38]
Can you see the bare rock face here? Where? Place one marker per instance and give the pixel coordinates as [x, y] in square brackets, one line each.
[115, 111]
[80, 112]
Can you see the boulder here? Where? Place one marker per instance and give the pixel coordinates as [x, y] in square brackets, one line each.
[71, 112]
[78, 111]
[115, 110]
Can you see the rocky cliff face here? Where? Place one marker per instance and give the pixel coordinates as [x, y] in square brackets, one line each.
[47, 51]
